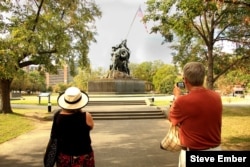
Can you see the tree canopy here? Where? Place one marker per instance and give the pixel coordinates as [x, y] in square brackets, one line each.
[165, 78]
[201, 31]
[162, 76]
[45, 33]
[146, 70]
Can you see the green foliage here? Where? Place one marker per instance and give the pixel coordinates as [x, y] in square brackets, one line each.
[83, 76]
[98, 73]
[236, 77]
[60, 87]
[164, 79]
[146, 70]
[81, 79]
[200, 28]
[162, 76]
[143, 71]
[45, 33]
[13, 125]
[49, 33]
[31, 81]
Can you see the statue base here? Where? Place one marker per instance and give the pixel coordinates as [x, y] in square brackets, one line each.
[115, 74]
[116, 86]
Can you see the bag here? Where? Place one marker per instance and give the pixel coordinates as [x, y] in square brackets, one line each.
[50, 153]
[171, 141]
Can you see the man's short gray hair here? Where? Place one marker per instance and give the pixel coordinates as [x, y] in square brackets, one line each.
[194, 72]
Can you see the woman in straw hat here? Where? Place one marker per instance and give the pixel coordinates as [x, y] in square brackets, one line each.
[72, 127]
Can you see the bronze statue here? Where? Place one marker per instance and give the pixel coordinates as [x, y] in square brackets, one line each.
[120, 57]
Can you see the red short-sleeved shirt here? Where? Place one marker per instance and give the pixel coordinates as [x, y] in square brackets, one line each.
[199, 114]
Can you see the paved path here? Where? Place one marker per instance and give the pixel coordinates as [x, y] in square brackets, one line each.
[117, 143]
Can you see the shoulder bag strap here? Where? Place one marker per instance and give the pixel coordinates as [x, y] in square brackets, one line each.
[53, 133]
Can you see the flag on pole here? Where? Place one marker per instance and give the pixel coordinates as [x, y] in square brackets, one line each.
[140, 14]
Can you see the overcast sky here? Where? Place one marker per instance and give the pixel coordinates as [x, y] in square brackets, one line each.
[114, 26]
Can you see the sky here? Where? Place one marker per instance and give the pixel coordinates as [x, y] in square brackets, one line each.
[115, 25]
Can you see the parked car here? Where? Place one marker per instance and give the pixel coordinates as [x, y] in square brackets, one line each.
[239, 93]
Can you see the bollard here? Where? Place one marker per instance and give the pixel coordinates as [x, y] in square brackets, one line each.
[49, 107]
[153, 96]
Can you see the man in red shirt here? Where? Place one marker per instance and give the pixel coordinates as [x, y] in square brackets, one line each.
[198, 113]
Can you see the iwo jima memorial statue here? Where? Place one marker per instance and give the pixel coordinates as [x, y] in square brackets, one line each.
[118, 79]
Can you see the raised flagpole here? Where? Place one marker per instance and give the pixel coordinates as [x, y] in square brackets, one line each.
[136, 13]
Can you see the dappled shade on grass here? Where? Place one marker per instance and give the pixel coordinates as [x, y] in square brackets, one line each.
[13, 125]
[235, 128]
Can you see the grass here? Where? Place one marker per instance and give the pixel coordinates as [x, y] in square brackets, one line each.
[235, 123]
[34, 100]
[13, 125]
[22, 120]
[225, 99]
[235, 128]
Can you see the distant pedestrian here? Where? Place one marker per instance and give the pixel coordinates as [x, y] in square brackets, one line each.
[198, 113]
[72, 127]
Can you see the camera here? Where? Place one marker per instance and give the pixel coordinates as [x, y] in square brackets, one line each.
[180, 85]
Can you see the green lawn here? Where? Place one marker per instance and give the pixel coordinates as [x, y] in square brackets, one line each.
[235, 128]
[235, 124]
[13, 125]
[35, 100]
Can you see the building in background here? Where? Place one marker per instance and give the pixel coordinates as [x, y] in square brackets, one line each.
[63, 76]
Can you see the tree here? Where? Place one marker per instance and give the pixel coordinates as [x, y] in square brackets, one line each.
[60, 87]
[146, 70]
[45, 33]
[20, 82]
[227, 82]
[98, 73]
[236, 2]
[165, 78]
[36, 81]
[30, 81]
[83, 76]
[132, 67]
[201, 28]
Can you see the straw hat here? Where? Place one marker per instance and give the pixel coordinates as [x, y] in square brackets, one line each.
[73, 99]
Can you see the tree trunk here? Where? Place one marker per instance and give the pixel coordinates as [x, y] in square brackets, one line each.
[1, 104]
[5, 96]
[210, 74]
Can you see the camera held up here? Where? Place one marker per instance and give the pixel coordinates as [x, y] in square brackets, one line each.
[180, 85]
